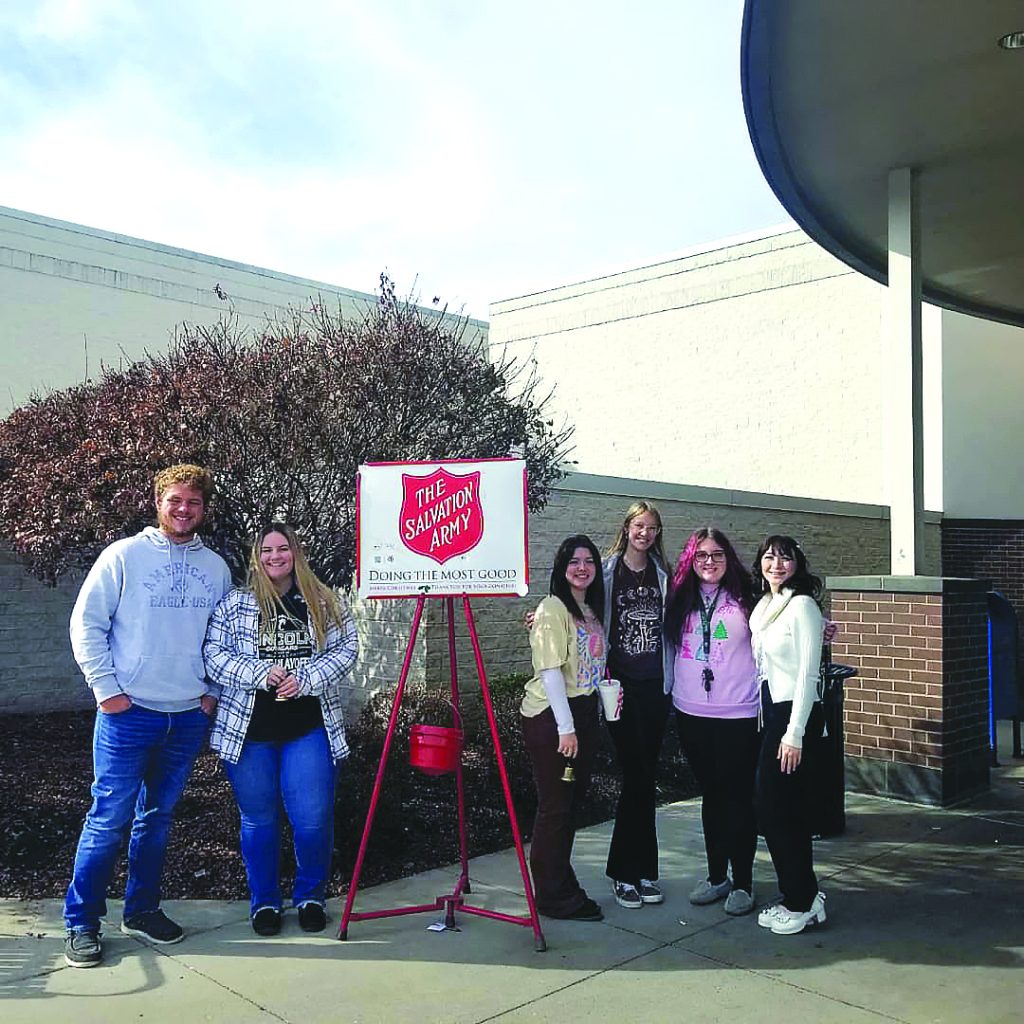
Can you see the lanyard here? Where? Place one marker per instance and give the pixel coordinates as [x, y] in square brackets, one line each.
[706, 611]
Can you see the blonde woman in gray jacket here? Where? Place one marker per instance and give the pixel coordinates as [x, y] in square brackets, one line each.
[786, 631]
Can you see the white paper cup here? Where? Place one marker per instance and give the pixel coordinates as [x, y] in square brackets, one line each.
[611, 699]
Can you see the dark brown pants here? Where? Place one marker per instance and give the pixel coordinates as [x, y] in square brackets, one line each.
[558, 803]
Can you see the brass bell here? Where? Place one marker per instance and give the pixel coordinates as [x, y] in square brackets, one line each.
[569, 775]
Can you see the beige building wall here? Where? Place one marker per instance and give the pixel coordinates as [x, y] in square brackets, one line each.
[983, 417]
[74, 298]
[753, 367]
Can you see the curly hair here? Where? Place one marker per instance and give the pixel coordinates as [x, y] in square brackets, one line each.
[684, 590]
[184, 473]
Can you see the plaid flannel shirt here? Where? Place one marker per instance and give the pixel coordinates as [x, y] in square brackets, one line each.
[233, 663]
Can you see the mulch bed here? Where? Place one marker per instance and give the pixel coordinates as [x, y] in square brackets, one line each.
[46, 771]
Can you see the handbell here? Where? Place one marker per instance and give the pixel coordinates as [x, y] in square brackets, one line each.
[569, 775]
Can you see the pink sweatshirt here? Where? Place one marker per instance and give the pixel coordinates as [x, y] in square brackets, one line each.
[734, 689]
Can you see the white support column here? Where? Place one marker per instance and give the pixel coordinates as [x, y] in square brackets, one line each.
[903, 441]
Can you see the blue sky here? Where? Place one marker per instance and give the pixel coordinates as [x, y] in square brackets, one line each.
[483, 149]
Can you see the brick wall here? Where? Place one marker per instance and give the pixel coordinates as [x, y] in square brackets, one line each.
[992, 549]
[916, 722]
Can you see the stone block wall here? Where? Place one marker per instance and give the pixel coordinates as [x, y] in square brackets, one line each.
[838, 537]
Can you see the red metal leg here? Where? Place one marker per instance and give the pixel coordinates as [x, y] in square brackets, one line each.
[539, 944]
[350, 899]
[463, 883]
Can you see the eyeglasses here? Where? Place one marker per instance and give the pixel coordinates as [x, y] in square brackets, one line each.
[703, 557]
[638, 528]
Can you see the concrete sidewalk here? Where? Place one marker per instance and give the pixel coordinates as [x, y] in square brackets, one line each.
[926, 924]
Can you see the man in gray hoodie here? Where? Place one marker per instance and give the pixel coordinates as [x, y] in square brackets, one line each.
[137, 631]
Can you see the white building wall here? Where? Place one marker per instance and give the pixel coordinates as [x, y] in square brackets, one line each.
[72, 296]
[758, 366]
[752, 367]
[983, 417]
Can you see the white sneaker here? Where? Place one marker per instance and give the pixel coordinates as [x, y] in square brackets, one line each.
[790, 922]
[650, 892]
[767, 915]
[704, 892]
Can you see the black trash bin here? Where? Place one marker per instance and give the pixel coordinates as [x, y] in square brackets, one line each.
[830, 781]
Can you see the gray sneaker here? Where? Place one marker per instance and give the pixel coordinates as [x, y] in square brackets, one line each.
[739, 902]
[83, 949]
[704, 892]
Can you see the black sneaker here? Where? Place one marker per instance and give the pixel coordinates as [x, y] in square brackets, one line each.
[155, 926]
[83, 949]
[312, 917]
[266, 921]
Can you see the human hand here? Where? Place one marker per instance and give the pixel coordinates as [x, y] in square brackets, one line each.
[208, 703]
[789, 758]
[528, 620]
[830, 631]
[116, 704]
[568, 745]
[288, 687]
[276, 676]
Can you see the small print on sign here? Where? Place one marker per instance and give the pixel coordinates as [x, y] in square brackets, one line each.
[441, 514]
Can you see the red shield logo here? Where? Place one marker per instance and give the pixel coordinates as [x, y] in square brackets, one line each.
[441, 514]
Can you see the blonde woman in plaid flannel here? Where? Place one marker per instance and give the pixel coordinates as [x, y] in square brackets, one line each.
[280, 649]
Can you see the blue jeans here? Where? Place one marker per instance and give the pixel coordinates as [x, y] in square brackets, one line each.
[300, 773]
[141, 762]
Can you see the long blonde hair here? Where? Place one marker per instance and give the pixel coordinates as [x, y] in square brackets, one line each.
[323, 603]
[621, 542]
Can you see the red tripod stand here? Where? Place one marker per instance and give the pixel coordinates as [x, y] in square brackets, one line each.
[456, 900]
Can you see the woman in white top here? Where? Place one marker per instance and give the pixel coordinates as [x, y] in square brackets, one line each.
[786, 627]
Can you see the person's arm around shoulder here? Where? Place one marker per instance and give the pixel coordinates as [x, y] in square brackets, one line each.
[806, 630]
[227, 664]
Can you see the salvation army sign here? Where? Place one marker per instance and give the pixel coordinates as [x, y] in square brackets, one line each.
[441, 514]
[440, 528]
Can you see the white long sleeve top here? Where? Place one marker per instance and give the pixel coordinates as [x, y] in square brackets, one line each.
[785, 633]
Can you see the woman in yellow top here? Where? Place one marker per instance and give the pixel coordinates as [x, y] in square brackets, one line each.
[560, 724]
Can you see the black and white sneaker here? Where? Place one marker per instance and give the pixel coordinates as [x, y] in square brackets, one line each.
[155, 926]
[650, 892]
[83, 949]
[627, 895]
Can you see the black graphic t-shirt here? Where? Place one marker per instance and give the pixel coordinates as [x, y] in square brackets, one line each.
[284, 640]
[634, 648]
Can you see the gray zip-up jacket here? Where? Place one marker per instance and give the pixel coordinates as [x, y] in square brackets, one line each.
[668, 646]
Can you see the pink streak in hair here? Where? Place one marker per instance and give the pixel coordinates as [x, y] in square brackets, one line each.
[685, 563]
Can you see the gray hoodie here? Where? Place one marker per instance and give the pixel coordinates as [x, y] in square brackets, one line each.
[138, 625]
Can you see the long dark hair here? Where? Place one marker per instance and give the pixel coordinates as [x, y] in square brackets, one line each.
[560, 588]
[684, 592]
[803, 581]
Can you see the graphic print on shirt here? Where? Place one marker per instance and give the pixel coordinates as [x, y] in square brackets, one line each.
[590, 652]
[695, 633]
[284, 641]
[639, 618]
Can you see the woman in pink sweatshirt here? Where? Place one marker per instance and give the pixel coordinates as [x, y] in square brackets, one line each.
[715, 695]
